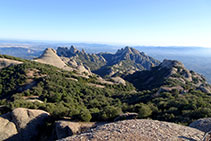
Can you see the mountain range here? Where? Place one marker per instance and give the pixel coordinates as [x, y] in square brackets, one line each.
[125, 61]
[21, 52]
[77, 86]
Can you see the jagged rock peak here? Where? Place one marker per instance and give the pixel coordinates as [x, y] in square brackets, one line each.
[127, 49]
[69, 52]
[73, 49]
[49, 50]
[170, 64]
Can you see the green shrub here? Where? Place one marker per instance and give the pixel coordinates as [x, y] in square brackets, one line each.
[144, 111]
[85, 115]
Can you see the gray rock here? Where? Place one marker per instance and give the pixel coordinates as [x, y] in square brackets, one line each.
[139, 130]
[8, 62]
[22, 124]
[170, 63]
[67, 128]
[203, 124]
[7, 128]
[50, 57]
[119, 80]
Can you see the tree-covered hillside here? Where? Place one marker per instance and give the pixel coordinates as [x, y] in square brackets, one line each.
[67, 94]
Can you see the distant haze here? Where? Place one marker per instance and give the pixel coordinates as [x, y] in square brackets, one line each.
[194, 58]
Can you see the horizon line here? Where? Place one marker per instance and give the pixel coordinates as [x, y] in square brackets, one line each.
[101, 43]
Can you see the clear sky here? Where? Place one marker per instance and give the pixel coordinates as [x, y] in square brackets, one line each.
[132, 22]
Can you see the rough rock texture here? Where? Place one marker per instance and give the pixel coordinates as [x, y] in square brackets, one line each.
[139, 130]
[8, 62]
[203, 124]
[22, 124]
[7, 128]
[68, 128]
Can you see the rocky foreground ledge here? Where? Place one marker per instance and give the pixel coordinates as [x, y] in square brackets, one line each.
[139, 130]
[27, 124]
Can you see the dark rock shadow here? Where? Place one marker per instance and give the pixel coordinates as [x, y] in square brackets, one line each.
[31, 131]
[189, 139]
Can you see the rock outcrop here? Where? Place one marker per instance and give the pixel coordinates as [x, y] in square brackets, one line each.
[22, 124]
[203, 124]
[67, 128]
[8, 62]
[50, 57]
[139, 130]
[118, 80]
[169, 76]
[7, 128]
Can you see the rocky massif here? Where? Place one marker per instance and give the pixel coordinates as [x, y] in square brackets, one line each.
[50, 57]
[124, 61]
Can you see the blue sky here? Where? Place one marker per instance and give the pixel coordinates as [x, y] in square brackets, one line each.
[131, 22]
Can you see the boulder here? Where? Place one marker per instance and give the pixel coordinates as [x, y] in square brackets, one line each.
[66, 128]
[22, 124]
[203, 124]
[7, 128]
